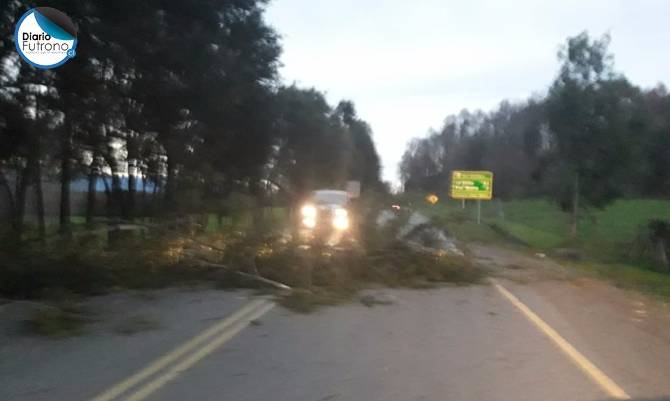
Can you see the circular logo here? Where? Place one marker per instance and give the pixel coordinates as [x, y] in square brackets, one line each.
[45, 37]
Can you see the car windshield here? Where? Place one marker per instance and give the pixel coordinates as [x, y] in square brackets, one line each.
[330, 198]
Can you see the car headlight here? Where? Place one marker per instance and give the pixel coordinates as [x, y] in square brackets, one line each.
[308, 211]
[341, 222]
[309, 222]
[341, 213]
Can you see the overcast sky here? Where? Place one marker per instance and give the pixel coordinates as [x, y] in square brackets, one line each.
[409, 64]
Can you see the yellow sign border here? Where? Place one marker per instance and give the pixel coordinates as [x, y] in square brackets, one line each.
[488, 195]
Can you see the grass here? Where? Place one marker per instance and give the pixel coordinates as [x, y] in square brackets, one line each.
[628, 277]
[605, 236]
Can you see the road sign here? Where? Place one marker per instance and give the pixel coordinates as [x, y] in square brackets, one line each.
[472, 185]
[432, 199]
[354, 189]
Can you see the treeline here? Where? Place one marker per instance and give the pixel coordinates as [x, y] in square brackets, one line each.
[593, 137]
[182, 96]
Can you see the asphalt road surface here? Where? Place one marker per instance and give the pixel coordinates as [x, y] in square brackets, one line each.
[525, 336]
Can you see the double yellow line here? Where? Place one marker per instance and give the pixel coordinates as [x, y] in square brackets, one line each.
[169, 366]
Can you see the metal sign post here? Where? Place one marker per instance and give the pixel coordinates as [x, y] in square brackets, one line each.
[479, 211]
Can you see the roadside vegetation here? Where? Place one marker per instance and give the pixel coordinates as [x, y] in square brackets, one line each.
[381, 260]
[235, 254]
[117, 172]
[581, 169]
[613, 242]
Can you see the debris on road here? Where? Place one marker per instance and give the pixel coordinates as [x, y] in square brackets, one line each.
[421, 234]
[377, 298]
[384, 218]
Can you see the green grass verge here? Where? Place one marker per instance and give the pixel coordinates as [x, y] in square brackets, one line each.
[628, 277]
[605, 236]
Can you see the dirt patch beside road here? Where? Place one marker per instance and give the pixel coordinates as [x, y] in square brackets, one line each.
[518, 266]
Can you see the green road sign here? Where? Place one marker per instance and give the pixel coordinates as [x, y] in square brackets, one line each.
[472, 185]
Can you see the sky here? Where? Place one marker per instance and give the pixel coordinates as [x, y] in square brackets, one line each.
[408, 65]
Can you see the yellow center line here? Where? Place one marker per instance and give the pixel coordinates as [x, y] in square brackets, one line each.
[194, 358]
[597, 375]
[178, 352]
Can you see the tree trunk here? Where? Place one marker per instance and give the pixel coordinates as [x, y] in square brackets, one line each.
[661, 255]
[91, 194]
[117, 195]
[4, 184]
[144, 195]
[132, 190]
[170, 184]
[575, 208]
[155, 196]
[257, 211]
[39, 200]
[65, 179]
[20, 205]
[108, 196]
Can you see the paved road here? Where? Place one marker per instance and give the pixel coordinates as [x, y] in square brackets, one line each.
[452, 343]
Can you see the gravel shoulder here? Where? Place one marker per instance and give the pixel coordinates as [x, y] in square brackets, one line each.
[626, 333]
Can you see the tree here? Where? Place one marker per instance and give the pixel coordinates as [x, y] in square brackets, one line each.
[589, 108]
[363, 163]
[319, 146]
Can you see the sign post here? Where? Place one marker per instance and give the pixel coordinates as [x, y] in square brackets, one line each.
[477, 185]
[353, 189]
[479, 211]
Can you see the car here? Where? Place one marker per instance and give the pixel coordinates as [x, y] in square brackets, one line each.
[326, 211]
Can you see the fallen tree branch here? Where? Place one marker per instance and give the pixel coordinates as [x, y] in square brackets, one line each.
[272, 283]
[212, 247]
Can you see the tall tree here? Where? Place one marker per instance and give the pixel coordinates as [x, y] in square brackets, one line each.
[589, 111]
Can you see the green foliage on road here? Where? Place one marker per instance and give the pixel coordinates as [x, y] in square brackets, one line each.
[325, 276]
[57, 323]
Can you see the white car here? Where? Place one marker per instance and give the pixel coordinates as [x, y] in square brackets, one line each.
[326, 209]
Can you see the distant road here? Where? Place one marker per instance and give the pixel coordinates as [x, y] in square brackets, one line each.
[531, 336]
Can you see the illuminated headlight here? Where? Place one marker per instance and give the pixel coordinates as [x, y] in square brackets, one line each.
[309, 222]
[341, 213]
[341, 222]
[308, 211]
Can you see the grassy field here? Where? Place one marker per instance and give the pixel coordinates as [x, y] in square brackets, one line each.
[606, 233]
[272, 216]
[605, 236]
